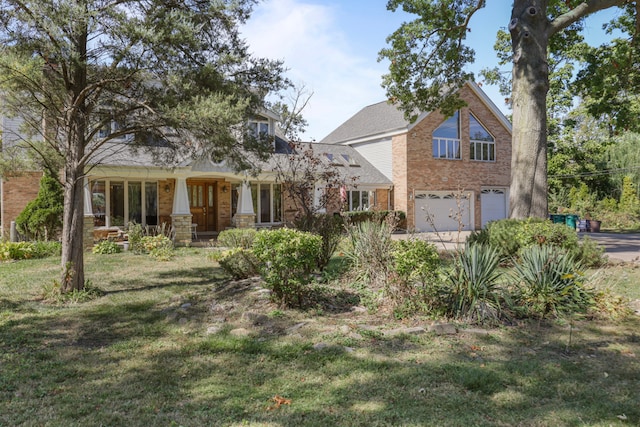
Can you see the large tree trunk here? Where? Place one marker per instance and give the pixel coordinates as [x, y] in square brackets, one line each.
[528, 26]
[72, 229]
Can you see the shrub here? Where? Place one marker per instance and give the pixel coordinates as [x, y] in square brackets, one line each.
[474, 293]
[415, 260]
[159, 246]
[370, 250]
[288, 258]
[549, 282]
[330, 228]
[42, 217]
[26, 250]
[237, 238]
[46, 249]
[135, 233]
[415, 282]
[106, 247]
[239, 263]
[355, 217]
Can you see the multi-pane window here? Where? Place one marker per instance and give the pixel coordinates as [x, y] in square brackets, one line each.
[446, 139]
[360, 200]
[482, 144]
[116, 203]
[267, 201]
[258, 128]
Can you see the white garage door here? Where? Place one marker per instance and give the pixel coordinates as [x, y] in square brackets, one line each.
[439, 211]
[493, 205]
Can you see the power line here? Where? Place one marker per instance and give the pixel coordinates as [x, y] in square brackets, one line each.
[598, 173]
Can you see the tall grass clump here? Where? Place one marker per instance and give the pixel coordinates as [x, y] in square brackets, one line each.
[474, 293]
[370, 250]
[549, 282]
[287, 259]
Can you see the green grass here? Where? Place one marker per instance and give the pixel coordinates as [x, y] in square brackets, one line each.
[140, 355]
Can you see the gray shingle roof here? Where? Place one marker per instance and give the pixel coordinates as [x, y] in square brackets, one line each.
[372, 120]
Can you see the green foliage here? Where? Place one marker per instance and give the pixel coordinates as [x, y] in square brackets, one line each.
[135, 233]
[288, 257]
[329, 227]
[158, 246]
[42, 217]
[53, 294]
[27, 250]
[370, 249]
[415, 260]
[629, 202]
[237, 238]
[239, 263]
[106, 247]
[355, 217]
[474, 294]
[549, 282]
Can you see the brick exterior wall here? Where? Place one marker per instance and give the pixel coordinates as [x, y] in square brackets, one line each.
[17, 191]
[414, 167]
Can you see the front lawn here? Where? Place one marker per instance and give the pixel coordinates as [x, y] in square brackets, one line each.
[176, 343]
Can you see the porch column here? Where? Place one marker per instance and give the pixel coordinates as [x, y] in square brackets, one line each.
[245, 217]
[87, 225]
[181, 214]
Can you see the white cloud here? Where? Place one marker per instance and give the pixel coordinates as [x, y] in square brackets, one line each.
[319, 54]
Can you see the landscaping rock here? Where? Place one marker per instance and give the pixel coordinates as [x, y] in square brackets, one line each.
[294, 328]
[256, 319]
[320, 346]
[186, 305]
[443, 329]
[635, 306]
[212, 330]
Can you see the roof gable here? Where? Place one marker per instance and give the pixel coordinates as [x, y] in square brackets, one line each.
[385, 118]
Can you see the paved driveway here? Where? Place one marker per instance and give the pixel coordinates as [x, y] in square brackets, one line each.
[618, 246]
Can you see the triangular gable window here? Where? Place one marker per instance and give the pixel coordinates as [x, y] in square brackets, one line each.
[482, 144]
[446, 139]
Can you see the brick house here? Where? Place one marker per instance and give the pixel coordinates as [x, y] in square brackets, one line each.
[198, 197]
[441, 167]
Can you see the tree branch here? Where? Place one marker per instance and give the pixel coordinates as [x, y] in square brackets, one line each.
[579, 12]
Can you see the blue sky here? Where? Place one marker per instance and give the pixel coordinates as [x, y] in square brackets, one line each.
[331, 46]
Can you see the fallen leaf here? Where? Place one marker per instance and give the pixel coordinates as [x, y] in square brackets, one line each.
[279, 401]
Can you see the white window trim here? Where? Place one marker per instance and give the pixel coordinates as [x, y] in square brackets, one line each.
[143, 204]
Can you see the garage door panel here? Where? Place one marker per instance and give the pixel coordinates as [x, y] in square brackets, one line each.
[493, 205]
[440, 211]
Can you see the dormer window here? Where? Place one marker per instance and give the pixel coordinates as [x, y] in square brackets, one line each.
[259, 128]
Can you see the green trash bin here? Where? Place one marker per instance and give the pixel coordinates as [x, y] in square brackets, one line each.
[572, 221]
[558, 218]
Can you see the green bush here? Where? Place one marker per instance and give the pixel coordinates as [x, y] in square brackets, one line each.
[287, 257]
[43, 249]
[355, 217]
[474, 294]
[510, 236]
[42, 217]
[135, 233]
[27, 250]
[549, 282]
[415, 284]
[369, 248]
[415, 260]
[239, 263]
[237, 238]
[159, 246]
[106, 247]
[330, 228]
